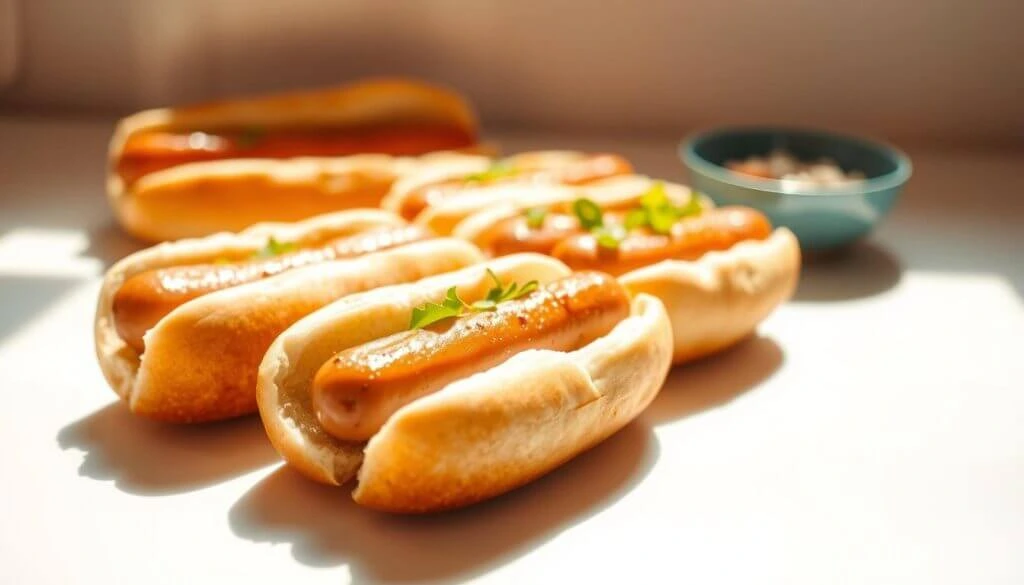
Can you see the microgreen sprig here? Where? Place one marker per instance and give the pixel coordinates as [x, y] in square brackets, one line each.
[275, 248]
[658, 212]
[535, 217]
[591, 218]
[453, 306]
[498, 170]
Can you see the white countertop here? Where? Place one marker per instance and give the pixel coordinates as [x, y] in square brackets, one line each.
[873, 432]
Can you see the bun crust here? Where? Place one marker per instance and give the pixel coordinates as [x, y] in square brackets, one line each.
[480, 436]
[197, 199]
[720, 299]
[201, 359]
[460, 168]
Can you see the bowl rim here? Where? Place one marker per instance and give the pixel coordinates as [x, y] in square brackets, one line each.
[892, 179]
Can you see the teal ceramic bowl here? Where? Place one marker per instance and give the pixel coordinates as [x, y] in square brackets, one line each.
[822, 218]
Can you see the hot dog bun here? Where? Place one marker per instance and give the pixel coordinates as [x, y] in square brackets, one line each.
[713, 302]
[206, 196]
[201, 198]
[200, 360]
[404, 188]
[485, 434]
[505, 198]
[720, 299]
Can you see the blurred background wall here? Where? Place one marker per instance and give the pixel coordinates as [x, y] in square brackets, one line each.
[933, 70]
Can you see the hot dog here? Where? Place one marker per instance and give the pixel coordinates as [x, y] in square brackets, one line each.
[560, 168]
[356, 391]
[195, 170]
[149, 296]
[561, 236]
[689, 239]
[180, 335]
[453, 413]
[149, 152]
[719, 271]
[417, 193]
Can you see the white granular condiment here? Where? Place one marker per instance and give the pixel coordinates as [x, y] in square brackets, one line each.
[783, 166]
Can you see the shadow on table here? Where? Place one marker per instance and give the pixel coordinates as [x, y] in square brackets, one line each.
[108, 243]
[25, 297]
[152, 458]
[715, 380]
[862, 270]
[326, 528]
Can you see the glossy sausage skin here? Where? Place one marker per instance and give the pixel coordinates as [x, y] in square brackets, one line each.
[149, 296]
[513, 235]
[690, 238]
[356, 391]
[587, 169]
[148, 152]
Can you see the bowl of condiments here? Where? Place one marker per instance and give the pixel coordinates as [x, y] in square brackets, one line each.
[830, 189]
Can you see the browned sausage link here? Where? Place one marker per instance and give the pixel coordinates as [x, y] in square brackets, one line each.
[691, 238]
[513, 235]
[586, 169]
[149, 296]
[356, 391]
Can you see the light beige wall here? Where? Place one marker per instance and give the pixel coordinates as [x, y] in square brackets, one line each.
[933, 69]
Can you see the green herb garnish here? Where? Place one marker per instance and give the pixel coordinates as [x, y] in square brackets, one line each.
[275, 248]
[608, 238]
[498, 170]
[500, 293]
[636, 218]
[535, 217]
[588, 213]
[453, 306]
[658, 212]
[430, 313]
[693, 206]
[591, 218]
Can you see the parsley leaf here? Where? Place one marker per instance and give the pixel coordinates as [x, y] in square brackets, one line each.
[535, 217]
[693, 206]
[661, 219]
[658, 212]
[588, 213]
[655, 197]
[608, 238]
[498, 170]
[275, 248]
[431, 313]
[636, 218]
[453, 306]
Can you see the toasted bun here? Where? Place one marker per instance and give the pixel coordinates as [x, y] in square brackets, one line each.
[540, 159]
[721, 298]
[201, 359]
[477, 437]
[201, 198]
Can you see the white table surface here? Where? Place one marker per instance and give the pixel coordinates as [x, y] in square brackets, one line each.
[872, 433]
